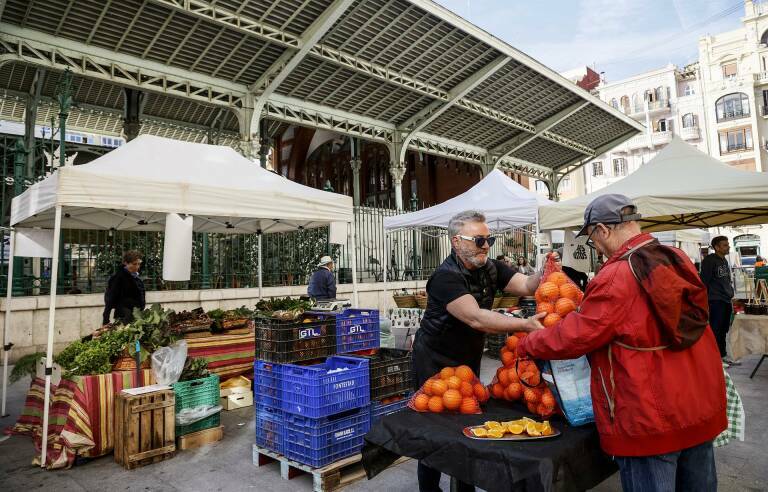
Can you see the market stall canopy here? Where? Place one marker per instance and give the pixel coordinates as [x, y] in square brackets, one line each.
[505, 203]
[134, 186]
[680, 188]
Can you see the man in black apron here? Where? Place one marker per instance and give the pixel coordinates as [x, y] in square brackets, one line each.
[460, 295]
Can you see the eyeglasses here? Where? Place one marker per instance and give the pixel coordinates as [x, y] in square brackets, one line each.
[479, 240]
[589, 241]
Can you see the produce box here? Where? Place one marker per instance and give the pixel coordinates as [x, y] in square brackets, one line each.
[144, 428]
[356, 329]
[339, 384]
[307, 338]
[270, 428]
[196, 393]
[317, 442]
[388, 406]
[237, 400]
[390, 373]
[267, 383]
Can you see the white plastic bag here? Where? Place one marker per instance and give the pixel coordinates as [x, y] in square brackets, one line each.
[192, 415]
[168, 362]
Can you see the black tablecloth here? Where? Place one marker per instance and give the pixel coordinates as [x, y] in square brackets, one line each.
[571, 461]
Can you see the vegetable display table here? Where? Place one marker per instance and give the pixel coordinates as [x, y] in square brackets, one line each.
[749, 335]
[571, 461]
[81, 415]
[227, 355]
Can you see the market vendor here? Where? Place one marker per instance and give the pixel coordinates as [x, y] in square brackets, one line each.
[125, 290]
[322, 283]
[657, 384]
[459, 298]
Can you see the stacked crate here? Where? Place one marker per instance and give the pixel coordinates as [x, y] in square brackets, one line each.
[194, 394]
[391, 382]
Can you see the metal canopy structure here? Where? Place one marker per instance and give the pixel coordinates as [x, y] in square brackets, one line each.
[406, 73]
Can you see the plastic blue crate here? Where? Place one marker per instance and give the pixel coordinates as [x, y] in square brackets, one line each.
[270, 428]
[356, 329]
[318, 442]
[267, 383]
[313, 391]
[379, 410]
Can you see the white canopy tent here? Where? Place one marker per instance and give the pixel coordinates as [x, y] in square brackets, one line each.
[680, 188]
[507, 206]
[133, 188]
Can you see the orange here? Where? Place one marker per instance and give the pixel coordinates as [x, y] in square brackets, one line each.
[421, 402]
[529, 395]
[503, 376]
[513, 392]
[548, 399]
[466, 389]
[465, 374]
[439, 387]
[480, 432]
[551, 320]
[550, 291]
[516, 428]
[427, 387]
[531, 378]
[481, 393]
[452, 399]
[454, 382]
[532, 429]
[544, 410]
[545, 307]
[511, 343]
[538, 297]
[570, 291]
[507, 358]
[564, 306]
[512, 374]
[469, 405]
[447, 372]
[498, 391]
[532, 407]
[557, 278]
[435, 404]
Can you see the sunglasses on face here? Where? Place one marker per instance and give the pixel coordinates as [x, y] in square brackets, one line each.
[479, 240]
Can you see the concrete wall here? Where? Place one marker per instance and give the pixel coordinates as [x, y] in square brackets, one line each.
[79, 315]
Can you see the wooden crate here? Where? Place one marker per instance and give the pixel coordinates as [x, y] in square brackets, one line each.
[200, 438]
[144, 428]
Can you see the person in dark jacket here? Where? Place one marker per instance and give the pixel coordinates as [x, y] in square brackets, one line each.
[322, 284]
[716, 275]
[125, 290]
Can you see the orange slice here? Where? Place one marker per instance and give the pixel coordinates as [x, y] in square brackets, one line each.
[480, 432]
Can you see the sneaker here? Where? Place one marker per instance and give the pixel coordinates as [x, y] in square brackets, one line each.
[731, 362]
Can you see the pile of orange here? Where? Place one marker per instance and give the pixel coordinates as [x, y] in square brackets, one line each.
[520, 380]
[557, 296]
[453, 389]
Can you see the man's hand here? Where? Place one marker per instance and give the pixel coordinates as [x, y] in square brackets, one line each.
[532, 324]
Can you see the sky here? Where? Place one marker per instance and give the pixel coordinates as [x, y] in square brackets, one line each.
[620, 37]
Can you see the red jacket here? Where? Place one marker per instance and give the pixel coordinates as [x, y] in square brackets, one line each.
[663, 400]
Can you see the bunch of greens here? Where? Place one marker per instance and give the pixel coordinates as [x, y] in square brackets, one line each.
[152, 327]
[194, 368]
[285, 304]
[26, 366]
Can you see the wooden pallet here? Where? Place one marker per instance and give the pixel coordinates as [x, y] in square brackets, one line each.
[200, 438]
[329, 478]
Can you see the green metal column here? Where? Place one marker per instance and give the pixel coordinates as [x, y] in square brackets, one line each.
[19, 165]
[415, 264]
[206, 280]
[64, 97]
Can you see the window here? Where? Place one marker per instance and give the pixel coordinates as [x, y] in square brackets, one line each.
[625, 104]
[689, 120]
[650, 96]
[619, 167]
[688, 91]
[597, 168]
[541, 187]
[764, 38]
[636, 106]
[615, 103]
[729, 70]
[732, 106]
[565, 184]
[736, 140]
[662, 125]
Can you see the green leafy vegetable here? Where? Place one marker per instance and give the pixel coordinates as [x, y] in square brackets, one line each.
[26, 366]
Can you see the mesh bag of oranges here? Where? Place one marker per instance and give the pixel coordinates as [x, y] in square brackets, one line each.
[557, 294]
[452, 390]
[521, 380]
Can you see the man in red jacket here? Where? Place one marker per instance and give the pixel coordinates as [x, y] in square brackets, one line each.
[658, 389]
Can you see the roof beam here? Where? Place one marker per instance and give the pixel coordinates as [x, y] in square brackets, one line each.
[220, 15]
[510, 146]
[40, 49]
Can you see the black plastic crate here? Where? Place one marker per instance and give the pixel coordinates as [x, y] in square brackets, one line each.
[494, 344]
[286, 342]
[390, 371]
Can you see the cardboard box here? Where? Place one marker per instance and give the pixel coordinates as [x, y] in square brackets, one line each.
[235, 390]
[237, 400]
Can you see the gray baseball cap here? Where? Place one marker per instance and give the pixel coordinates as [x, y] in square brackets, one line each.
[606, 209]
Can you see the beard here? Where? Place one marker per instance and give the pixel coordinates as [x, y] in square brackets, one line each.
[473, 257]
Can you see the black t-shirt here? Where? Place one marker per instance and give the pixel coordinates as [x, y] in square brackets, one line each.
[446, 286]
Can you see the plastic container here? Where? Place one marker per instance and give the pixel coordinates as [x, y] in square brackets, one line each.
[195, 393]
[310, 337]
[379, 410]
[318, 442]
[339, 384]
[270, 428]
[356, 329]
[528, 306]
[267, 383]
[390, 373]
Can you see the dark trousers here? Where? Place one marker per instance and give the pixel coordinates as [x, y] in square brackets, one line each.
[689, 470]
[720, 321]
[429, 480]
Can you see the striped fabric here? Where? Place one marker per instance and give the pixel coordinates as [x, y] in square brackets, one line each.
[227, 355]
[81, 419]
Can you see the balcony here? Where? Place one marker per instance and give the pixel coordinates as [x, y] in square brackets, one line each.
[761, 78]
[654, 107]
[645, 141]
[730, 115]
[737, 147]
[691, 133]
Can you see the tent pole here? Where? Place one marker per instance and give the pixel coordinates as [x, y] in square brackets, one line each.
[51, 320]
[355, 295]
[7, 321]
[386, 265]
[260, 277]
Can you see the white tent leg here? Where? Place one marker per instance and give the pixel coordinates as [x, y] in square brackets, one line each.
[51, 320]
[386, 266]
[260, 277]
[7, 323]
[355, 296]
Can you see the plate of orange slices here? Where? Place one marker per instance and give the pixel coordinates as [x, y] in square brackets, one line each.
[523, 429]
